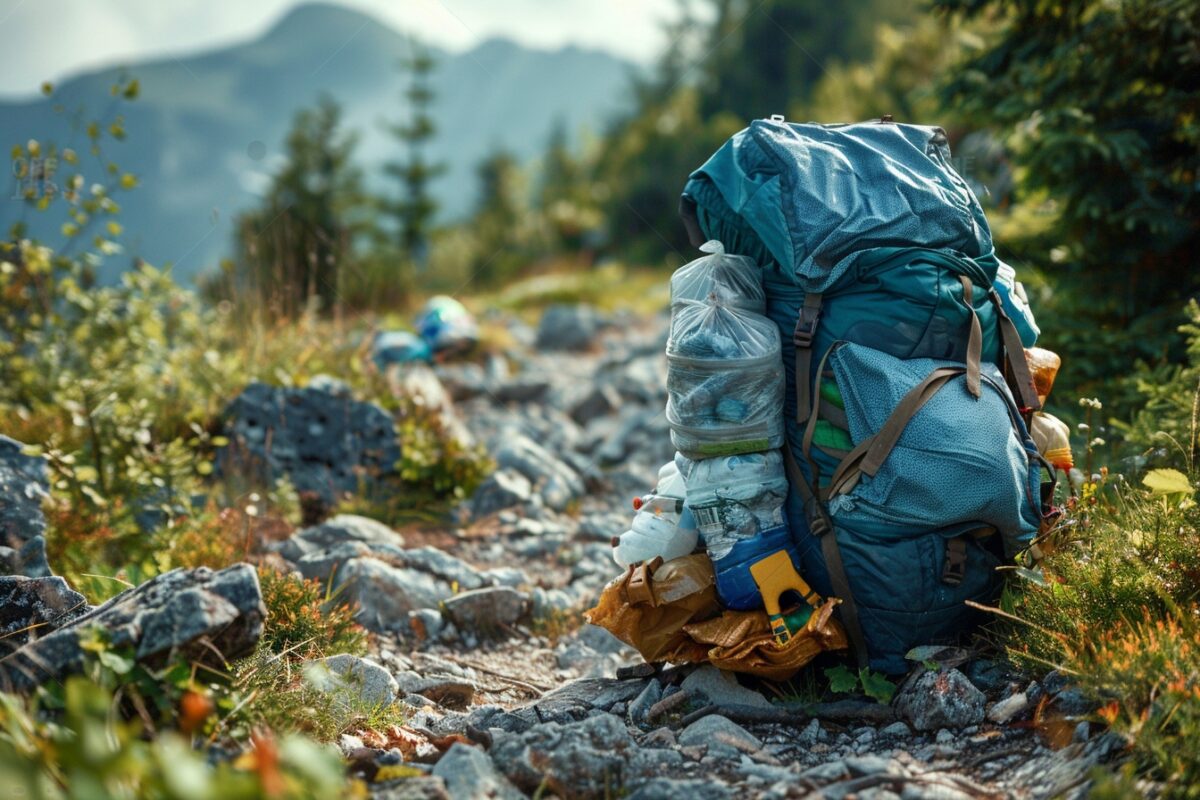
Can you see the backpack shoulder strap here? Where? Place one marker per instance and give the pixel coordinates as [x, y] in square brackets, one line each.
[822, 527]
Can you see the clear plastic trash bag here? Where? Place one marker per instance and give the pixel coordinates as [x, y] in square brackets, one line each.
[724, 380]
[735, 279]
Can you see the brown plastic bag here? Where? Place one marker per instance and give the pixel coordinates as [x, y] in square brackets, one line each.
[742, 641]
[648, 606]
[1043, 366]
[670, 612]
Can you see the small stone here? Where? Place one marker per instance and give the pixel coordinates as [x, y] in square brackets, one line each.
[896, 730]
[356, 682]
[470, 775]
[722, 689]
[487, 611]
[505, 488]
[722, 735]
[1082, 732]
[812, 733]
[941, 699]
[1008, 708]
[944, 737]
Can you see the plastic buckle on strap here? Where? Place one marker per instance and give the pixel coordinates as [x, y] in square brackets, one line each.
[955, 567]
[806, 328]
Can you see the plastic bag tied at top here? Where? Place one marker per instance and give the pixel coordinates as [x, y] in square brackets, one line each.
[735, 279]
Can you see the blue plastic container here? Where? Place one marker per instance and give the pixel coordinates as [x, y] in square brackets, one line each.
[735, 584]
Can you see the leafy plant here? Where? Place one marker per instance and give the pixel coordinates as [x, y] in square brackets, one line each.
[873, 684]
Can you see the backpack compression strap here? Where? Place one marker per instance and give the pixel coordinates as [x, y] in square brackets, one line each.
[822, 527]
[802, 338]
[1014, 356]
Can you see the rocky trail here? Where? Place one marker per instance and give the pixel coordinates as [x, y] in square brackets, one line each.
[479, 628]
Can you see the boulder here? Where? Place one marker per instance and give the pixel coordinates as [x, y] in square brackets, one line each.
[325, 442]
[190, 614]
[31, 608]
[568, 327]
[23, 487]
[941, 699]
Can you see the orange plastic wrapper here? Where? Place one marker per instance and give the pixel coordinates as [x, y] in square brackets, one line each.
[742, 641]
[648, 606]
[1053, 439]
[670, 612]
[1043, 366]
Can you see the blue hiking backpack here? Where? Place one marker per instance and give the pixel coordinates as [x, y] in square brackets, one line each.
[913, 476]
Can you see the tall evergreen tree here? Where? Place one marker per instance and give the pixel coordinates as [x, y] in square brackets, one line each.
[416, 207]
[293, 247]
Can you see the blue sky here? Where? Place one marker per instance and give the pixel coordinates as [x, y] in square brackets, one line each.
[50, 39]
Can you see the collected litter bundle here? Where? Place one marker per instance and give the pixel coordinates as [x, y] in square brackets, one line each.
[724, 380]
[734, 279]
[669, 612]
[446, 325]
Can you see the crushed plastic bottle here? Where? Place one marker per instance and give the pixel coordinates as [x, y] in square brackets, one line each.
[662, 526]
[738, 504]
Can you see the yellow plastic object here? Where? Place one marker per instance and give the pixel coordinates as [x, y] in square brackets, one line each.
[775, 576]
[1053, 439]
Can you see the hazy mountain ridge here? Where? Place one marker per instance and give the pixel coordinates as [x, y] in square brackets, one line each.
[191, 129]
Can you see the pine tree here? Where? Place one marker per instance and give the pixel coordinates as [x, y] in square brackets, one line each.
[415, 209]
[293, 248]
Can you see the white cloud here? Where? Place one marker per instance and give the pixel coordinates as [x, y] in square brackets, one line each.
[50, 39]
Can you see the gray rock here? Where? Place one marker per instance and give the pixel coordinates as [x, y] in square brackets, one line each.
[470, 775]
[23, 487]
[1008, 708]
[580, 760]
[439, 564]
[427, 623]
[601, 400]
[327, 443]
[385, 594]
[338, 530]
[639, 707]
[417, 787]
[521, 389]
[33, 607]
[28, 560]
[941, 699]
[357, 683]
[505, 488]
[321, 564]
[723, 737]
[193, 614]
[566, 327]
[896, 730]
[722, 688]
[693, 789]
[558, 484]
[487, 611]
